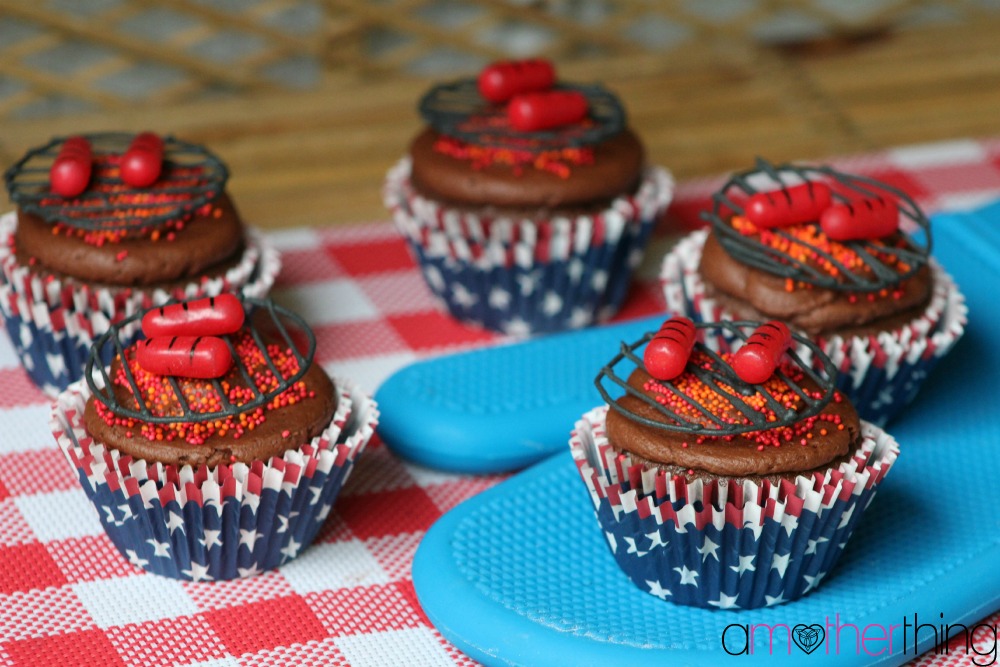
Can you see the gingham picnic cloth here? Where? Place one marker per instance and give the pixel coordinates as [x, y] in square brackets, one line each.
[68, 598]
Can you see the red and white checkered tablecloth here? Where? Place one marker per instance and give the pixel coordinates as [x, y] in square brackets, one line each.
[68, 598]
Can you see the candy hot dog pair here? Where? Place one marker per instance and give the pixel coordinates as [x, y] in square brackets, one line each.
[841, 257]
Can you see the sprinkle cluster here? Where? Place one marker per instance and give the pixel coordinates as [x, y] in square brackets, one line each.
[113, 202]
[160, 398]
[555, 161]
[720, 405]
[808, 242]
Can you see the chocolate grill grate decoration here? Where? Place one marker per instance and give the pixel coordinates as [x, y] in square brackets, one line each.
[721, 375]
[108, 203]
[458, 110]
[280, 317]
[878, 274]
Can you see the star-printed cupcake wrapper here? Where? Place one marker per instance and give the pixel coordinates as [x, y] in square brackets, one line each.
[525, 276]
[722, 545]
[53, 322]
[233, 521]
[880, 374]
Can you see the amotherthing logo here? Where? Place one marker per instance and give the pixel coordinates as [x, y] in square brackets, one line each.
[808, 637]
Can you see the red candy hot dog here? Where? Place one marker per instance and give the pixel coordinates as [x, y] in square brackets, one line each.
[667, 353]
[541, 111]
[788, 206]
[143, 161]
[200, 357]
[869, 218]
[756, 361]
[503, 80]
[212, 316]
[70, 173]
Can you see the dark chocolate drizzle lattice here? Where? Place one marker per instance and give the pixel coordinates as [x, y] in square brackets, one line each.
[823, 374]
[752, 252]
[280, 317]
[458, 110]
[27, 182]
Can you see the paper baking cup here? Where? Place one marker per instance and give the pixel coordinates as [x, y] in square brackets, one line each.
[880, 374]
[229, 522]
[520, 275]
[54, 321]
[719, 545]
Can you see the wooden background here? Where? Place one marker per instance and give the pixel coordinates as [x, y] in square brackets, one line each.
[315, 153]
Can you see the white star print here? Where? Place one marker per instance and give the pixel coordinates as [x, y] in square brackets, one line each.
[316, 492]
[56, 364]
[599, 280]
[126, 512]
[517, 327]
[612, 542]
[575, 270]
[251, 571]
[324, 512]
[812, 582]
[746, 565]
[632, 548]
[283, 524]
[725, 601]
[249, 538]
[790, 522]
[161, 549]
[110, 511]
[211, 539]
[133, 558]
[175, 521]
[499, 298]
[252, 501]
[687, 576]
[755, 527]
[655, 540]
[579, 318]
[434, 278]
[552, 304]
[462, 296]
[812, 544]
[780, 563]
[710, 548]
[292, 549]
[214, 504]
[527, 283]
[197, 572]
[659, 591]
[846, 517]
[771, 600]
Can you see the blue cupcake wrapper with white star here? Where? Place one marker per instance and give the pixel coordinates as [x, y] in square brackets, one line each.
[53, 323]
[718, 545]
[880, 374]
[230, 522]
[509, 275]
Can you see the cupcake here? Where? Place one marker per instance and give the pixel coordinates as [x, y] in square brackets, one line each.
[841, 258]
[527, 203]
[717, 491]
[110, 224]
[215, 448]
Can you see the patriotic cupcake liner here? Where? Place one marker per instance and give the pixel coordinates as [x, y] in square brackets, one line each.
[54, 321]
[521, 275]
[880, 374]
[230, 522]
[719, 545]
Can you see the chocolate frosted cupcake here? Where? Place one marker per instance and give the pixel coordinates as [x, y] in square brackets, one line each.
[842, 258]
[528, 203]
[202, 436]
[719, 492]
[109, 224]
